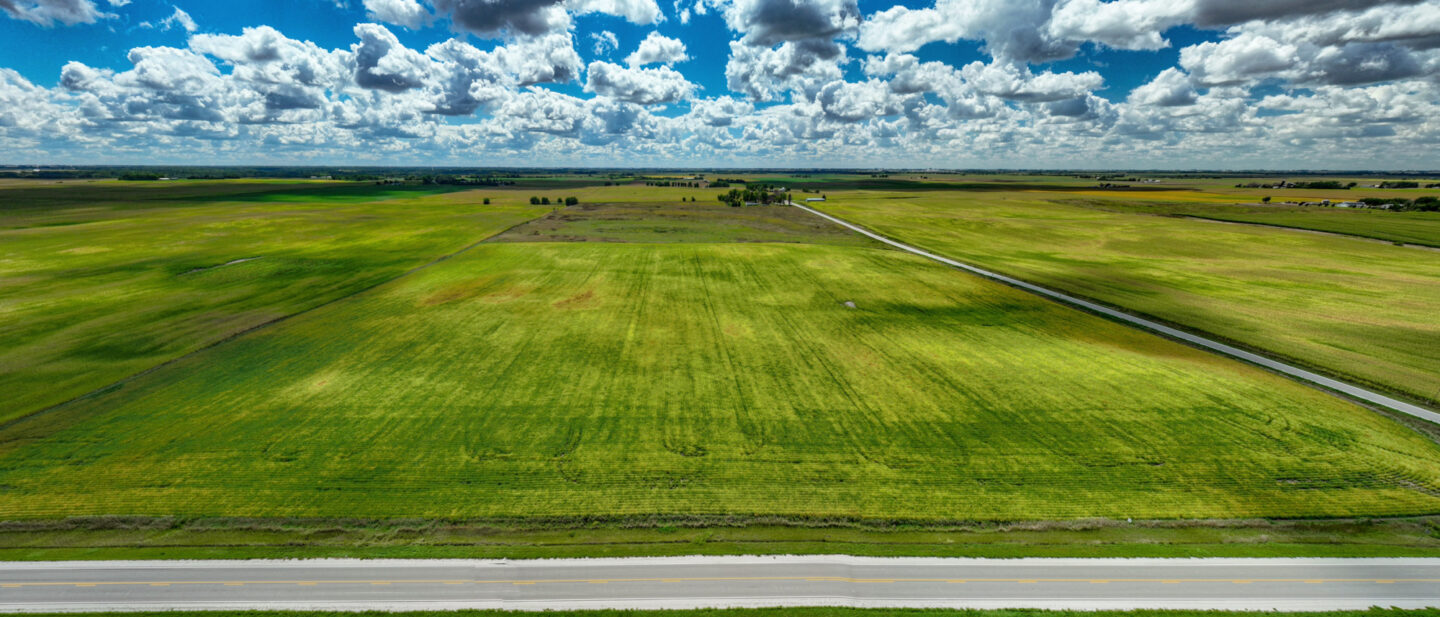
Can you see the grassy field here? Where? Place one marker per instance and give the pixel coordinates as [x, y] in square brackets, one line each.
[586, 381]
[1359, 309]
[1420, 228]
[686, 222]
[100, 280]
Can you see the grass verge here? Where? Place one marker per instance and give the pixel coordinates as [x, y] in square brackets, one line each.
[227, 538]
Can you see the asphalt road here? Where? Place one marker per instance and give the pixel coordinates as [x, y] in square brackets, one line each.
[685, 582]
[1296, 372]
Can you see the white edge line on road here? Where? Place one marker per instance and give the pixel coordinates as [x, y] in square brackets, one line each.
[1200, 341]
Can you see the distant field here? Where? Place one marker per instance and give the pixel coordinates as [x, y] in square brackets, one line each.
[1356, 308]
[708, 221]
[585, 380]
[1421, 228]
[96, 286]
[1409, 227]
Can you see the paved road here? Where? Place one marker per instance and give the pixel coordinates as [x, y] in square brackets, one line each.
[1292, 584]
[1296, 372]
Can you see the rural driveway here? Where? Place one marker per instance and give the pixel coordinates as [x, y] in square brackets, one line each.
[1296, 372]
[686, 582]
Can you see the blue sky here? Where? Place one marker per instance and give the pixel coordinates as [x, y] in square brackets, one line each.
[787, 83]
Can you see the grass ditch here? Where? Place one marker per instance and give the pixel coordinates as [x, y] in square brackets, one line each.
[109, 537]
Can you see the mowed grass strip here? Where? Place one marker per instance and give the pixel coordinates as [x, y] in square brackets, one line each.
[596, 380]
[91, 293]
[1362, 310]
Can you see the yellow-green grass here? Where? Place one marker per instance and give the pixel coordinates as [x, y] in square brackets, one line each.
[1351, 307]
[94, 291]
[588, 381]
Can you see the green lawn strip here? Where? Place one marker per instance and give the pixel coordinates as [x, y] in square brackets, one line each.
[119, 538]
[1356, 309]
[615, 380]
[87, 305]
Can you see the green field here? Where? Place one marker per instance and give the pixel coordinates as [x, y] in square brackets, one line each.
[1420, 228]
[1360, 309]
[99, 281]
[707, 222]
[588, 381]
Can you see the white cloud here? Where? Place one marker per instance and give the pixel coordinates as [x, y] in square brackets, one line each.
[492, 18]
[1171, 88]
[382, 63]
[657, 49]
[550, 58]
[605, 42]
[48, 12]
[407, 13]
[179, 18]
[1357, 82]
[642, 12]
[1009, 81]
[637, 85]
[720, 111]
[768, 22]
[802, 67]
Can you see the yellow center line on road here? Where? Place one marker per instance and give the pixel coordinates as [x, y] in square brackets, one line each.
[673, 580]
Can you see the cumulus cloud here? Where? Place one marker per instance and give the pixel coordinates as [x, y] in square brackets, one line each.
[545, 59]
[764, 74]
[496, 18]
[382, 63]
[768, 22]
[637, 85]
[48, 12]
[407, 13]
[719, 112]
[1272, 80]
[492, 18]
[1171, 88]
[1018, 84]
[642, 12]
[604, 41]
[177, 19]
[657, 49]
[853, 102]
